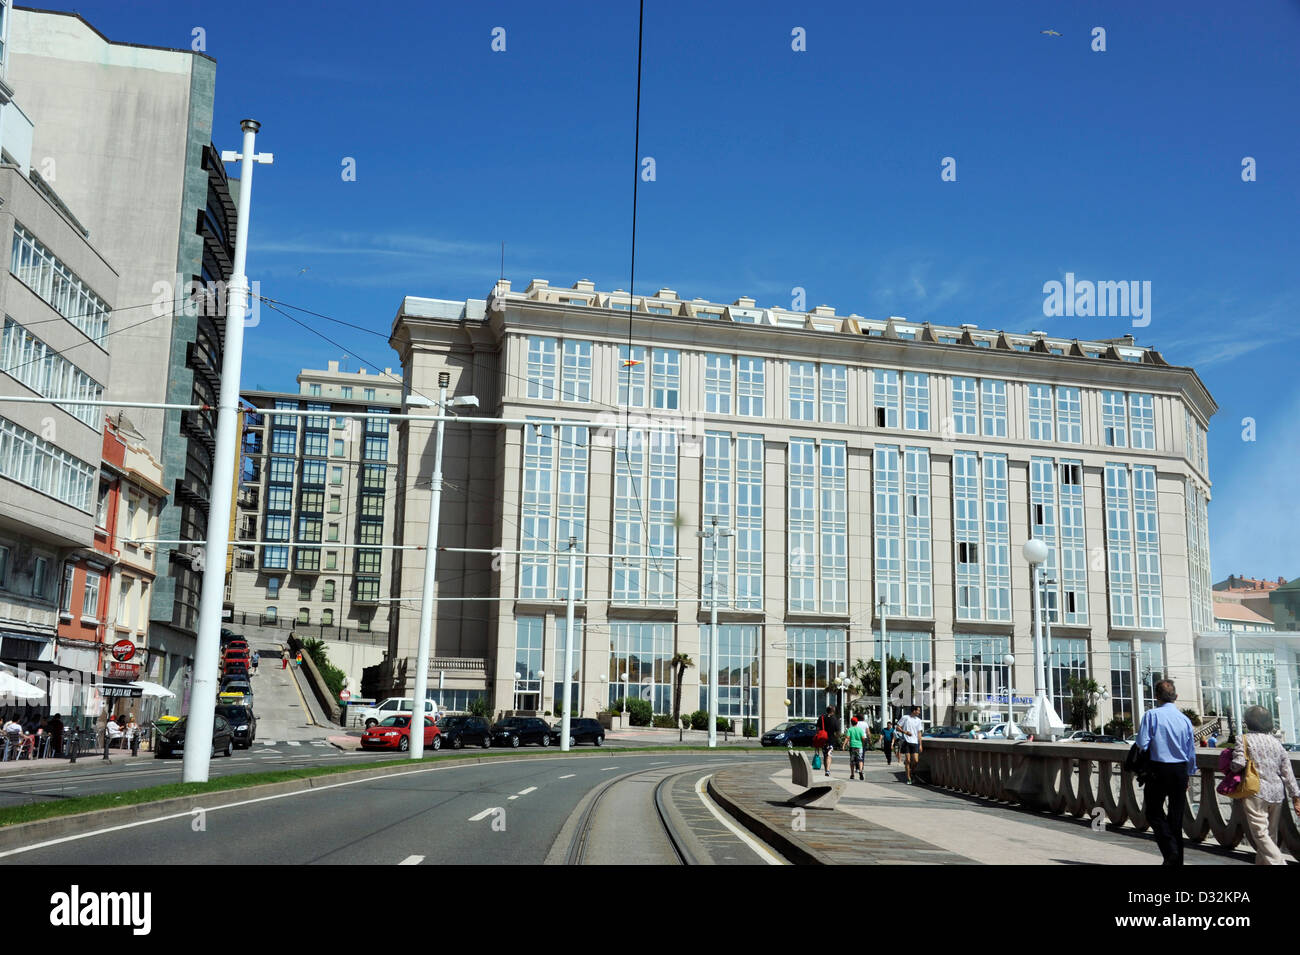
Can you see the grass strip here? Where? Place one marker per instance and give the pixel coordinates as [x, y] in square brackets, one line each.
[50, 809]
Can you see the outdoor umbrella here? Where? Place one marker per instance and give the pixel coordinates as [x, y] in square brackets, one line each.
[11, 686]
[152, 689]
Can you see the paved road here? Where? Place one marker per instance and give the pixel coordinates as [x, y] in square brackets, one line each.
[507, 811]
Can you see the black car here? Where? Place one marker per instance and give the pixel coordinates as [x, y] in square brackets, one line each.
[171, 741]
[517, 731]
[243, 724]
[580, 731]
[459, 731]
[790, 734]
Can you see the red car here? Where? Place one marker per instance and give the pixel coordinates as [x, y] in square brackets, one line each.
[395, 733]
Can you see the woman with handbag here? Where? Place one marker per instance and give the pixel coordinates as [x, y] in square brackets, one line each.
[1259, 749]
[828, 734]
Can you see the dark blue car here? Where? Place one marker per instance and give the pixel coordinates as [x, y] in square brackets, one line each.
[790, 734]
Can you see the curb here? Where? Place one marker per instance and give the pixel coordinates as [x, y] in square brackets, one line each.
[778, 839]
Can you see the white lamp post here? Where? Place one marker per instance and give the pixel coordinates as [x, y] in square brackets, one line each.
[712, 535]
[1043, 719]
[883, 605]
[566, 719]
[1009, 662]
[431, 554]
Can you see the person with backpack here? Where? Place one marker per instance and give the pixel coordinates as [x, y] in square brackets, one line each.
[828, 734]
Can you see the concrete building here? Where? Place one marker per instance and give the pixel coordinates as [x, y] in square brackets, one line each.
[1267, 666]
[1255, 595]
[854, 459]
[125, 130]
[319, 479]
[57, 297]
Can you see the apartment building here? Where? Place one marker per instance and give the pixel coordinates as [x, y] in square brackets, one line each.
[57, 297]
[326, 480]
[855, 461]
[126, 132]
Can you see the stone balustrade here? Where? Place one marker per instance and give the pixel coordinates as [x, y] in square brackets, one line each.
[1076, 778]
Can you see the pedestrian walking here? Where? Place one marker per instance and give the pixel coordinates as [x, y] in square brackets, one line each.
[857, 741]
[1166, 736]
[1276, 781]
[887, 743]
[284, 659]
[1213, 741]
[828, 734]
[253, 661]
[910, 728]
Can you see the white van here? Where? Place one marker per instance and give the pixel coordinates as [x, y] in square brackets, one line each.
[368, 716]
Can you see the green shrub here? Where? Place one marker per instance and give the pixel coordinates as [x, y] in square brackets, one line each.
[480, 706]
[618, 706]
[751, 729]
[700, 720]
[640, 711]
[686, 721]
[664, 722]
[1193, 716]
[724, 725]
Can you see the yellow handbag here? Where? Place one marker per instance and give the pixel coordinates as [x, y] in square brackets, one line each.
[1249, 785]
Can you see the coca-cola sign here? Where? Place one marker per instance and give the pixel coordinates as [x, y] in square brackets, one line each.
[123, 650]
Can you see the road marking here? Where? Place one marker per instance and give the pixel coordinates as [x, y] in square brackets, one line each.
[268, 742]
[479, 817]
[744, 837]
[569, 776]
[523, 792]
[412, 860]
[294, 742]
[608, 769]
[663, 763]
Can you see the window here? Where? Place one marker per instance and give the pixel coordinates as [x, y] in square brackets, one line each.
[884, 397]
[283, 441]
[277, 527]
[89, 597]
[338, 447]
[46, 275]
[1040, 413]
[45, 371]
[1074, 553]
[275, 558]
[347, 391]
[327, 590]
[279, 498]
[665, 378]
[126, 603]
[41, 466]
[642, 651]
[376, 448]
[982, 677]
[803, 390]
[737, 671]
[65, 599]
[373, 477]
[835, 394]
[1069, 415]
[314, 444]
[270, 615]
[313, 389]
[967, 534]
[888, 488]
[1068, 660]
[368, 561]
[313, 473]
[1142, 419]
[997, 539]
[309, 529]
[813, 657]
[1146, 540]
[916, 401]
[541, 367]
[282, 470]
[368, 394]
[331, 560]
[575, 381]
[368, 588]
[1119, 546]
[965, 406]
[645, 517]
[553, 509]
[336, 504]
[993, 398]
[733, 493]
[916, 527]
[632, 375]
[336, 474]
[333, 531]
[101, 509]
[718, 383]
[574, 684]
[4, 565]
[304, 590]
[1114, 420]
[751, 386]
[304, 615]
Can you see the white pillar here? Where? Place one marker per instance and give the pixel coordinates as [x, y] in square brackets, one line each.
[429, 584]
[567, 673]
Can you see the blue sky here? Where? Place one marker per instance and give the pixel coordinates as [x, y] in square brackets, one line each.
[776, 169]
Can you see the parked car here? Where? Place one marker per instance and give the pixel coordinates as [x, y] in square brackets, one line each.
[942, 732]
[394, 732]
[236, 683]
[1291, 747]
[790, 734]
[243, 723]
[234, 668]
[371, 715]
[580, 731]
[171, 739]
[1079, 736]
[996, 731]
[1105, 738]
[459, 731]
[518, 731]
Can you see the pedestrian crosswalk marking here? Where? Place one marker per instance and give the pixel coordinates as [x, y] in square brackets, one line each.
[294, 742]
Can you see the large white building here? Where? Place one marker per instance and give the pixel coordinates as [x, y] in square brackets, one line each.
[855, 460]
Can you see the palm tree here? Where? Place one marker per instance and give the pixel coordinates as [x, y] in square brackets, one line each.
[680, 663]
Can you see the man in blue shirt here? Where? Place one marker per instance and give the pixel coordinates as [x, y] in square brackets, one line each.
[1166, 735]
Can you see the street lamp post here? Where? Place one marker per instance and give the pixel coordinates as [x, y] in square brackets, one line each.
[430, 558]
[1044, 717]
[1236, 681]
[1009, 662]
[567, 675]
[712, 535]
[883, 605]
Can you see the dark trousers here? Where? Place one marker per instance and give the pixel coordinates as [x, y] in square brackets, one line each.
[889, 752]
[1168, 781]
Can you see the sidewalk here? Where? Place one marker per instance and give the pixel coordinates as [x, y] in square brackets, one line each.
[884, 821]
[87, 758]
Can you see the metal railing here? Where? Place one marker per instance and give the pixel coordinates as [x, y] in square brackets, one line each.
[1078, 778]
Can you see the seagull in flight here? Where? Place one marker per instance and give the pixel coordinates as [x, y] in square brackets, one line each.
[302, 270]
[1049, 33]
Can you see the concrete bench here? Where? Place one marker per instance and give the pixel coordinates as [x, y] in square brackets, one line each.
[819, 792]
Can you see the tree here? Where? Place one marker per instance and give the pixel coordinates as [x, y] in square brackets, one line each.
[867, 673]
[680, 663]
[1083, 701]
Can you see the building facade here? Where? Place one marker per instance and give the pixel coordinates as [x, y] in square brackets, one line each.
[325, 480]
[854, 460]
[57, 296]
[127, 131]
